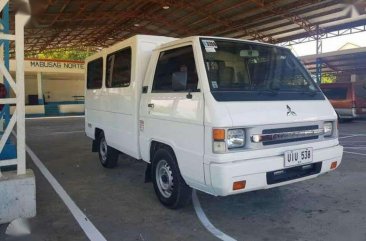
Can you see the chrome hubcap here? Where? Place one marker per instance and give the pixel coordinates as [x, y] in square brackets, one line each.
[103, 150]
[164, 178]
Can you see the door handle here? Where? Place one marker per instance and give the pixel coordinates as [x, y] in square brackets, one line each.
[150, 105]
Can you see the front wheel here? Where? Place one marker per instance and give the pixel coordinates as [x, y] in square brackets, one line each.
[108, 156]
[169, 185]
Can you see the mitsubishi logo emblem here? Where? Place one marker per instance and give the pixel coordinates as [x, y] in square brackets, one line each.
[290, 112]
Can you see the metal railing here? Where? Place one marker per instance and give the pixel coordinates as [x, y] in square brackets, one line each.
[17, 118]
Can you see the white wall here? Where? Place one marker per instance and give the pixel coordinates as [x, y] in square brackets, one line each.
[30, 87]
[54, 90]
[62, 90]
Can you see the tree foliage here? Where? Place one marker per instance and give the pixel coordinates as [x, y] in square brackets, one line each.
[63, 54]
[328, 78]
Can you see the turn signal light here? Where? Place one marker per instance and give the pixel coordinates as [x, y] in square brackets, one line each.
[333, 165]
[239, 185]
[218, 134]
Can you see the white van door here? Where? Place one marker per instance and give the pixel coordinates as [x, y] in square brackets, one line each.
[172, 111]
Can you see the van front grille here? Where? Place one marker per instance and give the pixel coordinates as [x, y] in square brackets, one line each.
[292, 134]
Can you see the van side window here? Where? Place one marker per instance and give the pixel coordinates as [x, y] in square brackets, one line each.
[95, 74]
[119, 69]
[360, 91]
[179, 64]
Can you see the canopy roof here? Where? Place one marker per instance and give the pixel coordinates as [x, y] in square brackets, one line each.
[351, 61]
[93, 24]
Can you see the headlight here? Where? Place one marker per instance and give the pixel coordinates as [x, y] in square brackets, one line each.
[224, 139]
[328, 129]
[235, 138]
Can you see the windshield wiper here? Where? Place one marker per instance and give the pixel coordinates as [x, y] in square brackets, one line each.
[309, 92]
[271, 92]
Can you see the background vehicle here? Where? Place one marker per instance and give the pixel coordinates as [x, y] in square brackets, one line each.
[348, 99]
[220, 115]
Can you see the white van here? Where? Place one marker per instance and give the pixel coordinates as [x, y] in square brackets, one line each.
[224, 116]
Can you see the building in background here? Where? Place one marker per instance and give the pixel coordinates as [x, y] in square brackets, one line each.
[53, 87]
[349, 45]
[347, 64]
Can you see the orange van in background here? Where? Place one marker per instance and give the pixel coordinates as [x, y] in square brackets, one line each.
[348, 99]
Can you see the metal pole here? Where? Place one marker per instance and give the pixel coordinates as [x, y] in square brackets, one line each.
[20, 21]
[6, 44]
[319, 50]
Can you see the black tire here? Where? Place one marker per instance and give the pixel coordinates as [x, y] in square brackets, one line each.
[108, 156]
[348, 120]
[340, 120]
[345, 120]
[164, 161]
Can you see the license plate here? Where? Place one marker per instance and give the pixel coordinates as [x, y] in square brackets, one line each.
[298, 157]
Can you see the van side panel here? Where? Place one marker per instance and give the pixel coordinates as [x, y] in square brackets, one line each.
[118, 113]
[92, 99]
[115, 110]
[143, 55]
[176, 121]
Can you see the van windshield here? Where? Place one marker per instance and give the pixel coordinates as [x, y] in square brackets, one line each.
[238, 71]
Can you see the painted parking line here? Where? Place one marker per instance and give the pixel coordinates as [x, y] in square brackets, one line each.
[349, 136]
[350, 142]
[87, 226]
[54, 117]
[206, 222]
[68, 132]
[355, 153]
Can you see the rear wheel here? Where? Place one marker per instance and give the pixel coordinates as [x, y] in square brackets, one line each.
[169, 185]
[340, 120]
[108, 156]
[348, 120]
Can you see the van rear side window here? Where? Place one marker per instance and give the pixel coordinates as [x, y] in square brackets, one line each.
[119, 69]
[339, 93]
[95, 74]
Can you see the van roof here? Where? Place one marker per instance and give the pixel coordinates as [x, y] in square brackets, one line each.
[192, 38]
[152, 38]
[170, 41]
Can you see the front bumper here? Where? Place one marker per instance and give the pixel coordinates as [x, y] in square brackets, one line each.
[255, 171]
[346, 113]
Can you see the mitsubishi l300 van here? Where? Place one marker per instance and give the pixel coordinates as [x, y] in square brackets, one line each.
[224, 116]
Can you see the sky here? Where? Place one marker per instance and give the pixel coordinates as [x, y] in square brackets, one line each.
[331, 44]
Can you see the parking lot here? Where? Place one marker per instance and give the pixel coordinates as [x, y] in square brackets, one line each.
[122, 207]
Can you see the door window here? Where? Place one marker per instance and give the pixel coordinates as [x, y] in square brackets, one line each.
[176, 71]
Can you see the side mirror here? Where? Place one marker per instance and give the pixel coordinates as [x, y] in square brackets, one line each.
[179, 81]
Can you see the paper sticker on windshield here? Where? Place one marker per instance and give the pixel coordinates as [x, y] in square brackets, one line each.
[210, 49]
[210, 45]
[214, 85]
